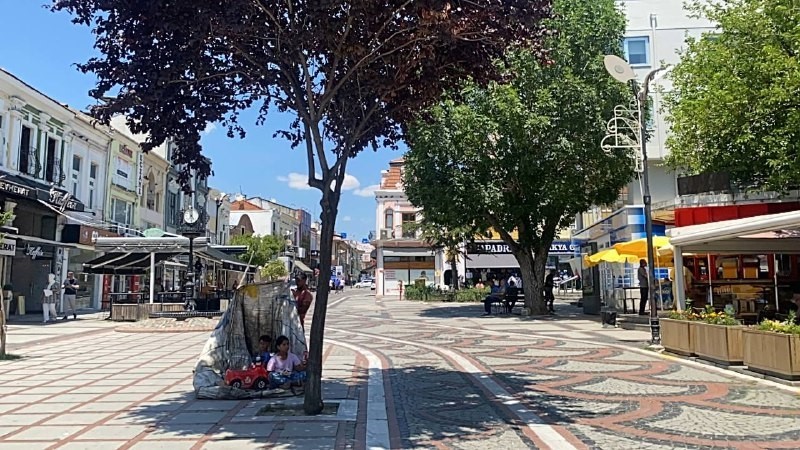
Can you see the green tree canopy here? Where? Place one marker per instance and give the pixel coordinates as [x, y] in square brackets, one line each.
[260, 249]
[734, 106]
[274, 270]
[526, 155]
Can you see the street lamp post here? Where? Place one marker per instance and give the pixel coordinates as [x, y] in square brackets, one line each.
[622, 72]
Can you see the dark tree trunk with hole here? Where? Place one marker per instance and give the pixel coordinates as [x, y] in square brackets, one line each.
[532, 272]
[313, 403]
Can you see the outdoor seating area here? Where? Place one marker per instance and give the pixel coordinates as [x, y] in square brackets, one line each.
[136, 265]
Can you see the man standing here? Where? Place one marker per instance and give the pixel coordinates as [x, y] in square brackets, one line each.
[644, 286]
[549, 297]
[70, 291]
[302, 297]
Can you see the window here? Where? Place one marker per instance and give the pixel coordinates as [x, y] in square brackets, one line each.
[121, 211]
[92, 183]
[25, 159]
[51, 172]
[388, 219]
[123, 174]
[637, 50]
[76, 175]
[172, 208]
[409, 218]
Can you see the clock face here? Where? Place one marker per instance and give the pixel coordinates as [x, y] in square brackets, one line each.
[191, 216]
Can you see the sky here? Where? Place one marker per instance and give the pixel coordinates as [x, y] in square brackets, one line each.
[41, 48]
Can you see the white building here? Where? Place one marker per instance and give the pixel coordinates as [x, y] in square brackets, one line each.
[401, 257]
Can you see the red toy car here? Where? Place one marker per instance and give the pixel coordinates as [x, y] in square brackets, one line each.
[253, 377]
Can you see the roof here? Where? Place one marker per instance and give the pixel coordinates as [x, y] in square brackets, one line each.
[393, 178]
[750, 234]
[244, 205]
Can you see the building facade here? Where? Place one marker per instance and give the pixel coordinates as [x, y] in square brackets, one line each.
[219, 213]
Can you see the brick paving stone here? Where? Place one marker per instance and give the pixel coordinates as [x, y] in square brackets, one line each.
[309, 430]
[21, 419]
[112, 432]
[163, 431]
[77, 418]
[94, 445]
[304, 444]
[233, 444]
[165, 445]
[238, 431]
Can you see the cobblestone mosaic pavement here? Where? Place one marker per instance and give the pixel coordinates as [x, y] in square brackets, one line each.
[575, 377]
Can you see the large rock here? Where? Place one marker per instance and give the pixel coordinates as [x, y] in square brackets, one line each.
[256, 310]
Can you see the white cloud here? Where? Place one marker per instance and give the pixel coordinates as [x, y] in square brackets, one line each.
[210, 127]
[368, 191]
[346, 219]
[300, 181]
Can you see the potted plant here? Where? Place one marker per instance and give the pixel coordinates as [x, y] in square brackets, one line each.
[676, 331]
[773, 348]
[717, 336]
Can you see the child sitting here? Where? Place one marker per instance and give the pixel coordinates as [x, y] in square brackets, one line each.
[285, 368]
[263, 356]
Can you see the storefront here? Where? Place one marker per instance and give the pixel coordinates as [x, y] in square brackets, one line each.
[488, 260]
[404, 266]
[84, 237]
[36, 250]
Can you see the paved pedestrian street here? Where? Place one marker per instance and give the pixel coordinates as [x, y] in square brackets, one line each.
[402, 375]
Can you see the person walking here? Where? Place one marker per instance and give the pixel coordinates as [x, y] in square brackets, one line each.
[549, 284]
[644, 286]
[70, 292]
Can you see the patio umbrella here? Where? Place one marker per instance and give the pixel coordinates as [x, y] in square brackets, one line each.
[638, 247]
[613, 256]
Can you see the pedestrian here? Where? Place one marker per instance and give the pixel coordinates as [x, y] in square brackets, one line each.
[549, 284]
[302, 297]
[70, 292]
[497, 294]
[644, 286]
[512, 291]
[263, 356]
[49, 299]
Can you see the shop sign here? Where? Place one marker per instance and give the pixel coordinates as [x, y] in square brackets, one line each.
[61, 200]
[34, 252]
[125, 150]
[389, 275]
[140, 175]
[8, 247]
[16, 189]
[499, 248]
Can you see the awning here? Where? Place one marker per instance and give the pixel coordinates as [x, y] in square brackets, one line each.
[500, 261]
[299, 265]
[410, 252]
[124, 263]
[228, 262]
[52, 196]
[741, 235]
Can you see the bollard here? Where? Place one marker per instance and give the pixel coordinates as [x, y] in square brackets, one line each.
[21, 305]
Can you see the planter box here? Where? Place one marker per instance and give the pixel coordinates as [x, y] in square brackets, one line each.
[676, 336]
[134, 312]
[718, 343]
[775, 354]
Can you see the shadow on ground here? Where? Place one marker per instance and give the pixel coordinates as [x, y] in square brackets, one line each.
[475, 310]
[430, 404]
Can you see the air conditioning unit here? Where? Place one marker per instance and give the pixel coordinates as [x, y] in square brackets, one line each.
[386, 233]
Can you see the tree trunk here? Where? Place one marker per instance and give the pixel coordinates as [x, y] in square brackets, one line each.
[532, 271]
[454, 273]
[313, 390]
[2, 324]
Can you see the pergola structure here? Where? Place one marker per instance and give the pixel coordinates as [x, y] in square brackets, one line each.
[135, 255]
[770, 234]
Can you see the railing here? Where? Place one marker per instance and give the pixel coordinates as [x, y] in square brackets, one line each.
[29, 161]
[55, 173]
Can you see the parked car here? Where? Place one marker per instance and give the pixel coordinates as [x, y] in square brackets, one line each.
[365, 284]
[253, 377]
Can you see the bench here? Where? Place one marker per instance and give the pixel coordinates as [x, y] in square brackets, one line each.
[499, 306]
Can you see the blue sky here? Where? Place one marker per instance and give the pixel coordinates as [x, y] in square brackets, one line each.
[41, 48]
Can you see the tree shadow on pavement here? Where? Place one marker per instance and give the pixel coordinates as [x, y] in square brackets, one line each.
[430, 404]
[476, 311]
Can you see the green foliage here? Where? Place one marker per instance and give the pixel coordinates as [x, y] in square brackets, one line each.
[788, 326]
[708, 315]
[734, 105]
[526, 155]
[430, 294]
[260, 248]
[274, 270]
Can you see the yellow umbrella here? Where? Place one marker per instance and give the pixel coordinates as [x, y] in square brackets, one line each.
[638, 247]
[613, 256]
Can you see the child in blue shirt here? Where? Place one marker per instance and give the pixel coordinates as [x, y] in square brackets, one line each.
[263, 355]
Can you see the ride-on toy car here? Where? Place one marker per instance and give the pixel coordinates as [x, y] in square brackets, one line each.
[253, 377]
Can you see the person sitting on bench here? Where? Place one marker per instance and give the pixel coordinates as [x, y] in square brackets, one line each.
[497, 294]
[512, 291]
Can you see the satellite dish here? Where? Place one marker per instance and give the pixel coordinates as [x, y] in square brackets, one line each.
[619, 68]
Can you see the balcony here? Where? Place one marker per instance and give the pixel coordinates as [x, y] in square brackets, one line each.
[29, 162]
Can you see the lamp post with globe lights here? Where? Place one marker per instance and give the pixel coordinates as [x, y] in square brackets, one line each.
[636, 121]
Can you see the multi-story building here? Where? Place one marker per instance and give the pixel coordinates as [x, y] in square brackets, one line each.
[402, 257]
[126, 175]
[37, 140]
[219, 213]
[151, 191]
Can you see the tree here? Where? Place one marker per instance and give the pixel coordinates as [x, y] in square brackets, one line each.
[274, 270]
[525, 156]
[260, 249]
[733, 107]
[350, 71]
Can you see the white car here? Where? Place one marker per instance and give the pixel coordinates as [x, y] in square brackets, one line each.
[365, 284]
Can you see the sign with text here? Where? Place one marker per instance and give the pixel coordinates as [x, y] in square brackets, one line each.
[16, 189]
[140, 175]
[8, 247]
[501, 248]
[62, 200]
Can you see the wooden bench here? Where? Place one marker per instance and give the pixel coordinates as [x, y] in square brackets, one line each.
[499, 305]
